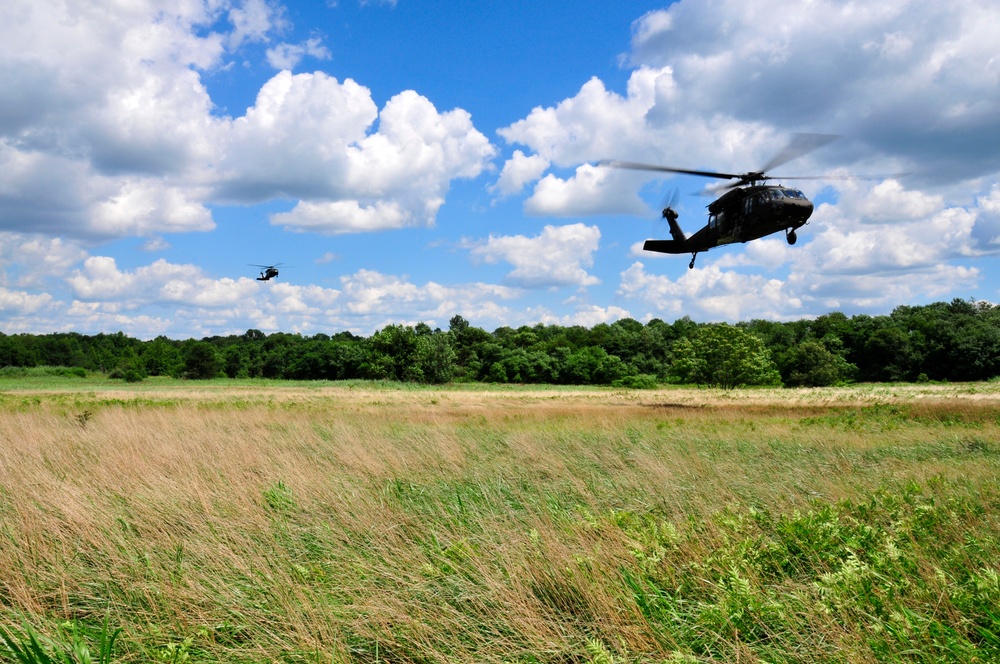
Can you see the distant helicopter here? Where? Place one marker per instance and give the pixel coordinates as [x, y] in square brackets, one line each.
[268, 271]
[749, 210]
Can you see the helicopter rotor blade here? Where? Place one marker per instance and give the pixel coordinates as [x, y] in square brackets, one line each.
[799, 145]
[668, 202]
[835, 176]
[631, 165]
[671, 198]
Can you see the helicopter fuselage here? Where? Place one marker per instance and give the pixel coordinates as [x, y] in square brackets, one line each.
[740, 215]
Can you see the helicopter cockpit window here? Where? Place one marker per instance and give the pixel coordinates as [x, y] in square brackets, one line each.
[792, 193]
[712, 221]
[776, 195]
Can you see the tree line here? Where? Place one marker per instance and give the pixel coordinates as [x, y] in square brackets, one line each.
[953, 341]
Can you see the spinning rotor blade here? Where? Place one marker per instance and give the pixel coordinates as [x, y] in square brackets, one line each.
[671, 198]
[668, 202]
[799, 145]
[631, 165]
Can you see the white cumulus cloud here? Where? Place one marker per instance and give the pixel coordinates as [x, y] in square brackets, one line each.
[558, 256]
[288, 56]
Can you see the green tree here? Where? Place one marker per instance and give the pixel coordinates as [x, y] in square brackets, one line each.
[201, 360]
[724, 356]
[160, 357]
[15, 352]
[391, 354]
[811, 364]
[435, 357]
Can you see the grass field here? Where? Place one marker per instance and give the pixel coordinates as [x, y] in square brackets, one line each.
[323, 522]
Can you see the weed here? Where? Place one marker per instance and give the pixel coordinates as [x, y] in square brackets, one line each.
[265, 521]
[71, 646]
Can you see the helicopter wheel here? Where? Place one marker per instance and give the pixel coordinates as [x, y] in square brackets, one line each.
[791, 236]
[691, 264]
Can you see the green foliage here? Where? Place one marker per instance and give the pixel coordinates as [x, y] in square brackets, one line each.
[201, 361]
[907, 565]
[954, 341]
[810, 364]
[279, 497]
[71, 645]
[391, 354]
[434, 358]
[35, 372]
[638, 382]
[161, 357]
[724, 356]
[617, 532]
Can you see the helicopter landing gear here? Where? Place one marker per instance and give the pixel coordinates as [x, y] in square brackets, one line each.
[791, 236]
[691, 264]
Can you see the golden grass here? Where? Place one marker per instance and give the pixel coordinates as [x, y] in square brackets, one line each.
[425, 525]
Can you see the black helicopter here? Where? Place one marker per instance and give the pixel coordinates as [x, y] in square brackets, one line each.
[268, 271]
[749, 210]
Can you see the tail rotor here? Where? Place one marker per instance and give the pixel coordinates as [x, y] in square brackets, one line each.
[669, 213]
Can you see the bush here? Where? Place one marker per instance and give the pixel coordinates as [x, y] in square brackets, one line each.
[638, 382]
[24, 372]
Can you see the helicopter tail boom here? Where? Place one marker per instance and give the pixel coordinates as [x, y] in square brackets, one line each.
[675, 230]
[667, 246]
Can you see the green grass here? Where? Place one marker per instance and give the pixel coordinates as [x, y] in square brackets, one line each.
[368, 524]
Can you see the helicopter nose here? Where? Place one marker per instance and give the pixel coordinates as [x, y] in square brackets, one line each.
[807, 209]
[797, 209]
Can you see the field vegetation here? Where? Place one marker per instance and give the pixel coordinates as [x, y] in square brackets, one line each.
[267, 521]
[944, 341]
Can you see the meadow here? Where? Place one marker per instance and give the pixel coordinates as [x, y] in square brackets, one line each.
[253, 521]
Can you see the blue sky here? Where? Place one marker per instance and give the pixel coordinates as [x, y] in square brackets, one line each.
[410, 161]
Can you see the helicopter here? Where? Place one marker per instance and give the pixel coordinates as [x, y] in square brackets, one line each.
[749, 209]
[268, 272]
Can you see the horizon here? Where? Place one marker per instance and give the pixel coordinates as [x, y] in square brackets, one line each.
[446, 327]
[409, 162]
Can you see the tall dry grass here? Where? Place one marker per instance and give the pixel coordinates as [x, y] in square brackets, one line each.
[358, 525]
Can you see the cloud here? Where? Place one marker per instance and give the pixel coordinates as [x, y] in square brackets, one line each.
[88, 95]
[371, 295]
[327, 257]
[254, 20]
[887, 202]
[910, 78]
[592, 125]
[288, 56]
[308, 137]
[15, 303]
[199, 302]
[54, 195]
[710, 293]
[101, 281]
[339, 217]
[155, 244]
[556, 257]
[912, 83]
[32, 260]
[519, 171]
[591, 190]
[586, 315]
[719, 85]
[108, 131]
